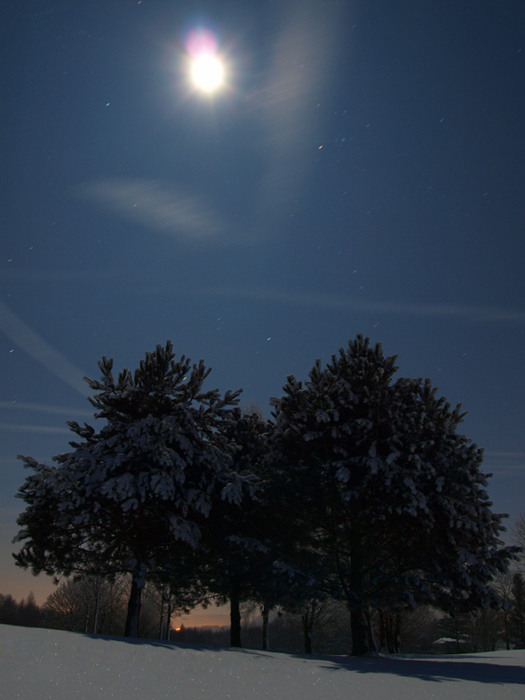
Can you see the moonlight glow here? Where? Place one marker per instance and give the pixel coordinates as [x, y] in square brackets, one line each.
[207, 72]
[206, 67]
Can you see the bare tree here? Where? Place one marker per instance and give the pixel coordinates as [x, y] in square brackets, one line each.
[160, 606]
[503, 585]
[87, 604]
[518, 611]
[519, 533]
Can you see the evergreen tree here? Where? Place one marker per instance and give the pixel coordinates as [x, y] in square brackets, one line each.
[25, 613]
[133, 495]
[392, 496]
[8, 610]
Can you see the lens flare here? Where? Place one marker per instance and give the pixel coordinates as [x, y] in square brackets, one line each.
[201, 41]
[205, 65]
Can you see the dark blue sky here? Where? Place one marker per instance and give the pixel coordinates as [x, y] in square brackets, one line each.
[362, 172]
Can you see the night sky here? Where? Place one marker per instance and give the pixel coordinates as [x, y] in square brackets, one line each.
[361, 170]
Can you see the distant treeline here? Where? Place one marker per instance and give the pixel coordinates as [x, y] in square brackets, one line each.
[93, 604]
[25, 613]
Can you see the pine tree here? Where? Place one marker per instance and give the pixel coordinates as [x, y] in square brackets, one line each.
[133, 495]
[392, 495]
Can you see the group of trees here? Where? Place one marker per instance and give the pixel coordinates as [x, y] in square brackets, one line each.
[94, 605]
[358, 489]
[91, 604]
[25, 613]
[489, 629]
[422, 630]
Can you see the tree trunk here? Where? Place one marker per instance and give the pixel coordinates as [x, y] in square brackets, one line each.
[161, 616]
[134, 604]
[235, 616]
[95, 614]
[265, 616]
[360, 632]
[305, 619]
[362, 637]
[382, 629]
[168, 618]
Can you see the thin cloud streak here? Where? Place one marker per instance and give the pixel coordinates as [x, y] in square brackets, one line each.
[311, 299]
[339, 303]
[156, 205]
[299, 78]
[40, 350]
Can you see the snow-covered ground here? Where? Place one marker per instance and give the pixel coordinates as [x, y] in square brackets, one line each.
[39, 664]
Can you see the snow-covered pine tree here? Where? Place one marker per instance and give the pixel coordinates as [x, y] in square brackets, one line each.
[132, 495]
[392, 495]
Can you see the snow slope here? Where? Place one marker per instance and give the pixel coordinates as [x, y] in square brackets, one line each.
[39, 664]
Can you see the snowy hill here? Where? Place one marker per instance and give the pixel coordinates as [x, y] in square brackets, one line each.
[39, 664]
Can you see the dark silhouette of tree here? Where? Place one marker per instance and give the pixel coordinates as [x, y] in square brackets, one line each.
[26, 613]
[132, 496]
[391, 495]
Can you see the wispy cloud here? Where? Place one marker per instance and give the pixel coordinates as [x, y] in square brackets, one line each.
[298, 79]
[40, 350]
[157, 205]
[341, 303]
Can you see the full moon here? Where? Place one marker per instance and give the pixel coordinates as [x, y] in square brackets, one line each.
[207, 72]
